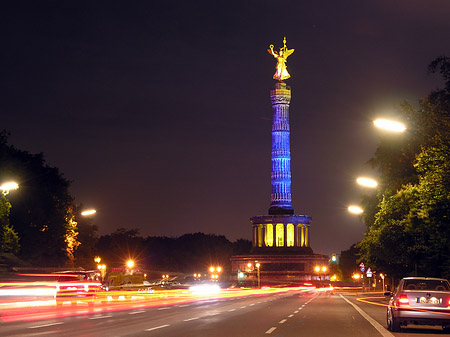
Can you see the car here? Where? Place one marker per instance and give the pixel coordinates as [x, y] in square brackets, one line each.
[419, 301]
[75, 286]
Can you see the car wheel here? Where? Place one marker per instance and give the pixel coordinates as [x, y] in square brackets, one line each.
[393, 324]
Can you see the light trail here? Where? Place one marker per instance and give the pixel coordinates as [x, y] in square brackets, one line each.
[20, 310]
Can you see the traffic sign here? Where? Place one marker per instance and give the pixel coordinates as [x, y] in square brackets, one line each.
[369, 272]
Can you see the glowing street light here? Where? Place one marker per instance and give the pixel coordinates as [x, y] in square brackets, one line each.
[130, 264]
[88, 212]
[367, 182]
[355, 209]
[389, 125]
[6, 187]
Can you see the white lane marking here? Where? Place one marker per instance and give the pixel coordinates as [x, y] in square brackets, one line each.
[214, 314]
[282, 321]
[184, 305]
[291, 315]
[232, 310]
[165, 308]
[271, 330]
[44, 325]
[136, 312]
[251, 305]
[191, 319]
[374, 323]
[244, 307]
[100, 317]
[296, 312]
[158, 327]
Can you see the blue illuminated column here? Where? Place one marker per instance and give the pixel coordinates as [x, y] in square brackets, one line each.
[281, 202]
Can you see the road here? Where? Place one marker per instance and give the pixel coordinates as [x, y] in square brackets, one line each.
[282, 314]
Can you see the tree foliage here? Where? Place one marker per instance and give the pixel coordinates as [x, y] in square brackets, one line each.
[193, 252]
[408, 222]
[41, 212]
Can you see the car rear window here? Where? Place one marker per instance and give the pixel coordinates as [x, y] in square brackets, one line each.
[427, 285]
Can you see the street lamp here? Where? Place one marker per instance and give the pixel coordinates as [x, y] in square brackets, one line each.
[389, 125]
[382, 277]
[130, 264]
[6, 187]
[257, 265]
[88, 212]
[215, 271]
[321, 270]
[102, 269]
[355, 209]
[367, 182]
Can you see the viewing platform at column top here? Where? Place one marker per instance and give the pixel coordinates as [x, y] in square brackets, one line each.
[284, 219]
[281, 89]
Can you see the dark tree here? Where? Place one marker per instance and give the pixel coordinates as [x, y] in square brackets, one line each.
[408, 223]
[41, 207]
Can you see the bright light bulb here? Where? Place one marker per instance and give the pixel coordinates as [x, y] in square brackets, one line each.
[367, 182]
[355, 209]
[389, 125]
[89, 212]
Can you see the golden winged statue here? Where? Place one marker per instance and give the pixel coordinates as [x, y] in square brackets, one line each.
[281, 73]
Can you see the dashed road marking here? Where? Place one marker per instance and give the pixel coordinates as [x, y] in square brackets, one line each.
[158, 327]
[291, 315]
[100, 317]
[136, 312]
[272, 329]
[191, 319]
[44, 325]
[232, 310]
[251, 305]
[165, 308]
[282, 321]
[296, 312]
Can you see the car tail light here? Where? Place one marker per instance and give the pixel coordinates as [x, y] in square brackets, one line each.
[403, 300]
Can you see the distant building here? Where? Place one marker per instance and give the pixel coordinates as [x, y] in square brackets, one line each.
[281, 250]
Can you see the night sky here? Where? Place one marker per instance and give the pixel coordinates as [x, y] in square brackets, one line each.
[159, 112]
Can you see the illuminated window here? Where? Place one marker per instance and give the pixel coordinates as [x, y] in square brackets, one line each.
[290, 235]
[302, 236]
[269, 235]
[260, 235]
[280, 235]
[306, 236]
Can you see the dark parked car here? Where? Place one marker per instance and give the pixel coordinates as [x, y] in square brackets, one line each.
[420, 301]
[75, 286]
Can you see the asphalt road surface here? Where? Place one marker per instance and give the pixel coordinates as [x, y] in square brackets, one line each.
[293, 313]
